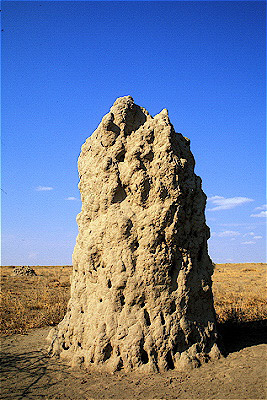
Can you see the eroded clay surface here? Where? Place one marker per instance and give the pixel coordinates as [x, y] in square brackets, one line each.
[141, 296]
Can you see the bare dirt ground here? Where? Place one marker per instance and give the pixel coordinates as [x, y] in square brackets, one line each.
[28, 373]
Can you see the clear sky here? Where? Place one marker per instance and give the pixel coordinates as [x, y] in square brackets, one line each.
[65, 63]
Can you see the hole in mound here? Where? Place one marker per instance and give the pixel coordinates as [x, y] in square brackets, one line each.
[100, 300]
[119, 195]
[150, 137]
[163, 193]
[172, 307]
[169, 360]
[107, 352]
[149, 156]
[134, 245]
[122, 299]
[64, 346]
[120, 365]
[142, 165]
[79, 344]
[144, 356]
[145, 190]
[147, 318]
[121, 156]
[109, 284]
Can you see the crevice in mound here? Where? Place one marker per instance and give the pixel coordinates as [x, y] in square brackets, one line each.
[145, 190]
[120, 365]
[147, 318]
[144, 356]
[107, 351]
[169, 360]
[193, 337]
[121, 155]
[154, 357]
[122, 300]
[150, 137]
[119, 195]
[172, 307]
[180, 346]
[173, 273]
[163, 193]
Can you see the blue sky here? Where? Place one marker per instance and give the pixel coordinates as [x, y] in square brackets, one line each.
[65, 63]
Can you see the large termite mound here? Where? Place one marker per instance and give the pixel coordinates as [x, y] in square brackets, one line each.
[141, 296]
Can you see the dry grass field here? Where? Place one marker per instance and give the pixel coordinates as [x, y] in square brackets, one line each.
[240, 292]
[33, 301]
[36, 301]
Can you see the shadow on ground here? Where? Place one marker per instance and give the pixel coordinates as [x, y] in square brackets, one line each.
[29, 375]
[235, 336]
[25, 370]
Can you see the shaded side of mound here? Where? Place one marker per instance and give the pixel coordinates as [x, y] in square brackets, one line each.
[141, 295]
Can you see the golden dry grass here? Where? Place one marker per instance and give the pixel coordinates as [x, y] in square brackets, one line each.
[240, 292]
[34, 301]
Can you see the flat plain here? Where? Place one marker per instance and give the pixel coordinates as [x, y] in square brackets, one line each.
[30, 305]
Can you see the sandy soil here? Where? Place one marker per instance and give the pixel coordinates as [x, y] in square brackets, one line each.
[28, 373]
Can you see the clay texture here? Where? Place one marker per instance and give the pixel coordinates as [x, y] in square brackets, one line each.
[141, 291]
